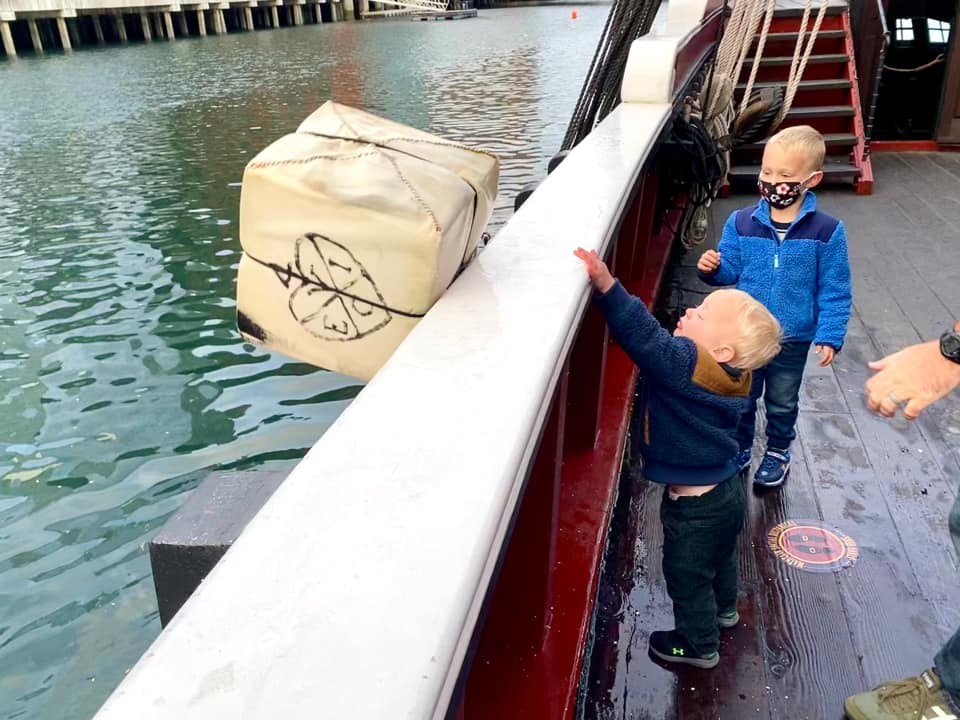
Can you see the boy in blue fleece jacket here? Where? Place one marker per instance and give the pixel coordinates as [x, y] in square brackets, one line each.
[793, 259]
[695, 386]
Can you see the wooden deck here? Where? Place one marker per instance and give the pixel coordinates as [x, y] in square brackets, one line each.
[806, 640]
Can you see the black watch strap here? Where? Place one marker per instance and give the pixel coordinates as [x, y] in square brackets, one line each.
[950, 345]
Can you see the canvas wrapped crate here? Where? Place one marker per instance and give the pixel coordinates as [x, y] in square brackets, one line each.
[351, 228]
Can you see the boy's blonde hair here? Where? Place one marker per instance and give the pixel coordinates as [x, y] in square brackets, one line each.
[759, 336]
[805, 140]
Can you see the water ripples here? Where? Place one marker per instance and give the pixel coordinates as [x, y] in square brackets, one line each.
[122, 378]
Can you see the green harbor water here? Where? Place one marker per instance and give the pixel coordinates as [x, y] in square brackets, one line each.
[122, 378]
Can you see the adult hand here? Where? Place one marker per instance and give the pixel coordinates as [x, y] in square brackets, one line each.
[597, 271]
[826, 353]
[918, 375]
[709, 262]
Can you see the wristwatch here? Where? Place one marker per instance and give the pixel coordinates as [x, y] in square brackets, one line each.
[950, 344]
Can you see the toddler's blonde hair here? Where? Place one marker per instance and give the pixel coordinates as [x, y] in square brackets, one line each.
[759, 336]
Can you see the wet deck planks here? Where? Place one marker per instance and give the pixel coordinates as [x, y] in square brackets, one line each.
[807, 640]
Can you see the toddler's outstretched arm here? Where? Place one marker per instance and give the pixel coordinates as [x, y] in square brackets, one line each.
[649, 345]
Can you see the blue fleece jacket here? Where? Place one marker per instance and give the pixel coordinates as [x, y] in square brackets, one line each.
[690, 405]
[804, 280]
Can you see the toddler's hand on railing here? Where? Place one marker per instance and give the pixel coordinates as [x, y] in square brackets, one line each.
[597, 271]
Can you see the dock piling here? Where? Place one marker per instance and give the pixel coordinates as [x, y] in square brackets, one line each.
[35, 36]
[8, 47]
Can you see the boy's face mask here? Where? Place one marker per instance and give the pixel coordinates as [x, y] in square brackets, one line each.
[782, 195]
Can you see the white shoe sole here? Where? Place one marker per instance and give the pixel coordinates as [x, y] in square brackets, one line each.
[778, 483]
[728, 622]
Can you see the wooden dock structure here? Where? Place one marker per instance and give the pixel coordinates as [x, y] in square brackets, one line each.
[38, 26]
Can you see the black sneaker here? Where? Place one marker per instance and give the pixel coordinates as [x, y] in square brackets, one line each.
[743, 460]
[669, 646]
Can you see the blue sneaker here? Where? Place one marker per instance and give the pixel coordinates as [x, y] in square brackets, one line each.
[774, 468]
[743, 460]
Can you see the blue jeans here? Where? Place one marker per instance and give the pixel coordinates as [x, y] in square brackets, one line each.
[947, 661]
[779, 383]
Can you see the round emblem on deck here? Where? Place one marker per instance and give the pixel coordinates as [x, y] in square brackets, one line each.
[812, 546]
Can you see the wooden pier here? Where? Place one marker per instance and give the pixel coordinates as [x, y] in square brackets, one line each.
[807, 640]
[37, 26]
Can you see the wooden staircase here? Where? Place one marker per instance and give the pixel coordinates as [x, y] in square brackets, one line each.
[828, 97]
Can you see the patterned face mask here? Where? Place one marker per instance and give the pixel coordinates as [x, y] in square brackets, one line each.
[781, 195]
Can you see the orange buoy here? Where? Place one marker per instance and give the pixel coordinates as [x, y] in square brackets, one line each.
[573, 14]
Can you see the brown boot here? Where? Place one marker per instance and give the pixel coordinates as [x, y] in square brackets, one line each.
[916, 698]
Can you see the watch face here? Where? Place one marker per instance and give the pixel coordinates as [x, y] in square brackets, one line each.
[950, 345]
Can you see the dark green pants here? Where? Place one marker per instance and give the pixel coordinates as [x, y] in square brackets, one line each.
[700, 559]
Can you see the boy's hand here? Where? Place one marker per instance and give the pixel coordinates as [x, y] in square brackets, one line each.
[709, 262]
[826, 353]
[600, 277]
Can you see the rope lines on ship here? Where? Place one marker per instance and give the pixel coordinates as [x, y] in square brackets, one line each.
[760, 112]
[718, 111]
[628, 20]
[926, 66]
[695, 167]
[707, 129]
[713, 122]
[799, 63]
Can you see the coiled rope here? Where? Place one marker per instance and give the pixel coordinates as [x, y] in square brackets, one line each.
[628, 20]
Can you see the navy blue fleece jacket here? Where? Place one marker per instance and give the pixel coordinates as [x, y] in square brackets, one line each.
[690, 404]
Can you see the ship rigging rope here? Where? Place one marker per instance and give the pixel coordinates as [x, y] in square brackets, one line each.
[628, 20]
[799, 65]
[695, 167]
[926, 66]
[745, 16]
[718, 109]
[755, 66]
[758, 113]
[712, 116]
